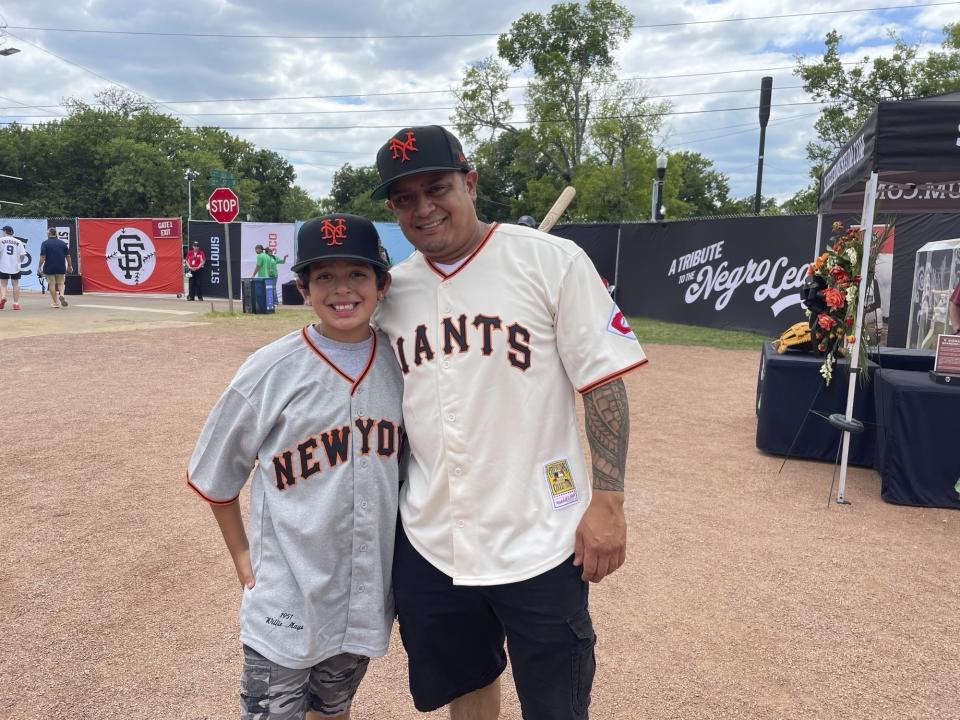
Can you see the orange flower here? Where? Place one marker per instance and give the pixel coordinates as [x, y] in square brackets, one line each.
[826, 322]
[834, 298]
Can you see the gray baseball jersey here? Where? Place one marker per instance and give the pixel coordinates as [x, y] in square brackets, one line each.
[325, 451]
[492, 353]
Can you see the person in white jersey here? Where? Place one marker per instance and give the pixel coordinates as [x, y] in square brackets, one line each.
[496, 329]
[12, 254]
[317, 416]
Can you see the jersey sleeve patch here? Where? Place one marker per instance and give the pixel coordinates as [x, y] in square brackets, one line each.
[618, 325]
[563, 490]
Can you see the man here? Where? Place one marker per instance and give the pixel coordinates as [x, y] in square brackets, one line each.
[495, 327]
[12, 254]
[196, 261]
[262, 268]
[55, 264]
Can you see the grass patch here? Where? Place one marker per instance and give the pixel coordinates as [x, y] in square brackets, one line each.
[656, 332]
[650, 332]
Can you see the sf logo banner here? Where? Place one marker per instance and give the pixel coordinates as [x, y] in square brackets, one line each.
[131, 256]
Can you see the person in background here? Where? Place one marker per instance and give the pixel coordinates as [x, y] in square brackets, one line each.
[12, 254]
[55, 264]
[196, 265]
[262, 268]
[274, 261]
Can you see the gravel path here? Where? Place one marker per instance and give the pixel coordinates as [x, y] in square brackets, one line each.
[743, 596]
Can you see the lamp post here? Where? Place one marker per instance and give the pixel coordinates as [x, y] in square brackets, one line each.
[656, 207]
[190, 176]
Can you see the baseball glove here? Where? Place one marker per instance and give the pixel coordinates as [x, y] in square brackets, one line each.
[795, 337]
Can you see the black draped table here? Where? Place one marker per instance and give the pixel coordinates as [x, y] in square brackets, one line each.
[788, 386]
[917, 449]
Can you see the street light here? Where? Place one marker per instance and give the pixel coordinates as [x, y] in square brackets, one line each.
[9, 51]
[190, 176]
[656, 207]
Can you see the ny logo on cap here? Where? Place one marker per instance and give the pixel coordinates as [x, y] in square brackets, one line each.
[334, 234]
[399, 148]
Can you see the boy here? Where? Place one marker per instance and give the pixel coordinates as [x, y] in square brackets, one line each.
[320, 410]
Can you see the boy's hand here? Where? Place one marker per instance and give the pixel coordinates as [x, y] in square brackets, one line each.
[245, 569]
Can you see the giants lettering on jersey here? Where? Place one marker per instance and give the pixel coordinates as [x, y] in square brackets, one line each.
[460, 335]
[299, 463]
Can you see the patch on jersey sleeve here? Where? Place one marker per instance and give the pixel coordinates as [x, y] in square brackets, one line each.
[618, 325]
[563, 491]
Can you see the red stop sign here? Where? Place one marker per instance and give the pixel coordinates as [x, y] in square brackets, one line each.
[223, 205]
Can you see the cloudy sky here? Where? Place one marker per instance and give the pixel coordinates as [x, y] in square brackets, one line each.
[325, 83]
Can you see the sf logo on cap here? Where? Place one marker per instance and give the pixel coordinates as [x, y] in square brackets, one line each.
[334, 233]
[399, 148]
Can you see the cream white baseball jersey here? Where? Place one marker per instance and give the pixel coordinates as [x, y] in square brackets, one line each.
[492, 356]
[324, 449]
[12, 253]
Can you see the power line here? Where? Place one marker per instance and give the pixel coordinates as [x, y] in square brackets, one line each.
[428, 36]
[413, 109]
[518, 122]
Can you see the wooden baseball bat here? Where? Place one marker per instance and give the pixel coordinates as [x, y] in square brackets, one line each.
[550, 219]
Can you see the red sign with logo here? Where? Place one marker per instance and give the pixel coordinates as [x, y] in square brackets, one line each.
[136, 255]
[223, 205]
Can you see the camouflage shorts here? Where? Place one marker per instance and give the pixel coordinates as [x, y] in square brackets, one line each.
[272, 692]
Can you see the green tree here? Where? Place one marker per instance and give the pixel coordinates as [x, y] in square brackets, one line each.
[579, 115]
[121, 157]
[852, 94]
[350, 193]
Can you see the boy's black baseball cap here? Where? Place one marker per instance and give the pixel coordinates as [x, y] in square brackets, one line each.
[415, 150]
[339, 236]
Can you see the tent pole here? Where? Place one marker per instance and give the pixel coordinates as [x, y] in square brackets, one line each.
[816, 245]
[866, 225]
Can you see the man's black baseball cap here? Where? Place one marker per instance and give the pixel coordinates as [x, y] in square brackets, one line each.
[339, 236]
[7, 228]
[415, 150]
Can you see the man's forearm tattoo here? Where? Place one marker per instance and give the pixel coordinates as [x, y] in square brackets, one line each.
[607, 420]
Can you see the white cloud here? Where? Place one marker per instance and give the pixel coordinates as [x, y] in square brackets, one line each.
[190, 68]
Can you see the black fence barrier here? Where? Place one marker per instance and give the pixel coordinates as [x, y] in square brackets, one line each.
[741, 273]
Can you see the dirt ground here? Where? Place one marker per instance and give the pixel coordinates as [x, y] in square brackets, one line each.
[744, 594]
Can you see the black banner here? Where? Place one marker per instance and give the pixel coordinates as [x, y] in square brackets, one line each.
[742, 273]
[210, 235]
[599, 241]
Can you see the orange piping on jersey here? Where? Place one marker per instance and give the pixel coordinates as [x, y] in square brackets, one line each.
[470, 257]
[373, 356]
[608, 378]
[209, 500]
[353, 383]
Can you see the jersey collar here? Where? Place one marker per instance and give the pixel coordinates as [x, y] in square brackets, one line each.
[354, 384]
[470, 257]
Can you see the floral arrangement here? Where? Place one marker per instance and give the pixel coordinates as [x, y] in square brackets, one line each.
[831, 294]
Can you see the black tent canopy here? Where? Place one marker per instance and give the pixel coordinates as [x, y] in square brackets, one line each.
[907, 157]
[913, 146]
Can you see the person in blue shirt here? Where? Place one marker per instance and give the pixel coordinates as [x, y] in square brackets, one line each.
[55, 264]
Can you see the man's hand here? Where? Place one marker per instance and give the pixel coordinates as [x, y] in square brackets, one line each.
[601, 540]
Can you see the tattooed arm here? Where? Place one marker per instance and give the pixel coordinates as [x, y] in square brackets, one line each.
[601, 541]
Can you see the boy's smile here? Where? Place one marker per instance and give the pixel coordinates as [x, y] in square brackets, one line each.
[343, 294]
